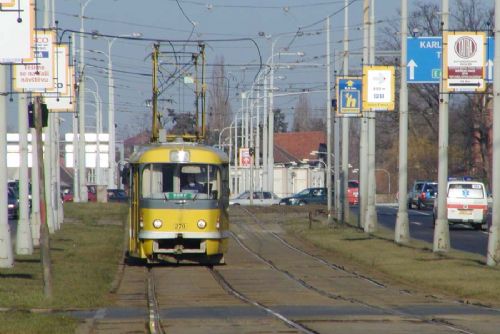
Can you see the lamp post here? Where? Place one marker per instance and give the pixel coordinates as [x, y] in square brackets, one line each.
[98, 127]
[111, 112]
[270, 114]
[81, 104]
[98, 106]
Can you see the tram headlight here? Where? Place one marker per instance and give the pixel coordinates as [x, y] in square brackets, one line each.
[202, 224]
[157, 223]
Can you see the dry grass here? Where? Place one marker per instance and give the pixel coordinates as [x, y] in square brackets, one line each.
[461, 275]
[84, 254]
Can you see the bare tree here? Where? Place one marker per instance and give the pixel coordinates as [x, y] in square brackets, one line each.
[301, 120]
[470, 133]
[219, 108]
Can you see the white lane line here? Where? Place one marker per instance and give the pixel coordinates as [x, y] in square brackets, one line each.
[416, 223]
[422, 213]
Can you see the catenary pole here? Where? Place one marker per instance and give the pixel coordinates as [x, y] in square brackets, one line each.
[81, 120]
[345, 120]
[47, 148]
[24, 241]
[328, 123]
[36, 219]
[6, 253]
[493, 255]
[441, 229]
[76, 147]
[402, 232]
[371, 213]
[363, 142]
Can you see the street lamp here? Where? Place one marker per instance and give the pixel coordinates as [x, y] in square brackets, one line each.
[98, 129]
[111, 111]
[81, 121]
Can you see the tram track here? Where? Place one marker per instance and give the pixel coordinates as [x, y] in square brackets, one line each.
[336, 267]
[168, 306]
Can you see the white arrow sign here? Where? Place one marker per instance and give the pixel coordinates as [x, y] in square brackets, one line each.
[412, 65]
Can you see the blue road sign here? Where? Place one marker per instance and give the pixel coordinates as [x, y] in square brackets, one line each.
[424, 59]
[349, 96]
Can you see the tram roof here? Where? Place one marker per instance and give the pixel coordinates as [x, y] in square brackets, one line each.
[161, 152]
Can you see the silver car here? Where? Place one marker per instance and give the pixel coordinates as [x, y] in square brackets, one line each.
[259, 198]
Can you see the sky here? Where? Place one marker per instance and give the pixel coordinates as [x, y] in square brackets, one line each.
[241, 32]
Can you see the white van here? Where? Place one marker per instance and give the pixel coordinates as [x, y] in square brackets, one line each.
[467, 203]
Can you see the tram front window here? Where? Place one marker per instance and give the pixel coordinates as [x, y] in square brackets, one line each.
[180, 181]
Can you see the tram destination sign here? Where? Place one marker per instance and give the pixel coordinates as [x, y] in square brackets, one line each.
[424, 55]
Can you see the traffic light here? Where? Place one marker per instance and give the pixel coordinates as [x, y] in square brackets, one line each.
[31, 114]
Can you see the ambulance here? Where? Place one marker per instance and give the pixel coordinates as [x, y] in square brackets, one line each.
[466, 203]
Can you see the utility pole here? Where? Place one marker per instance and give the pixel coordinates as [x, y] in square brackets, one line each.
[493, 256]
[363, 143]
[36, 216]
[44, 231]
[328, 124]
[371, 213]
[441, 228]
[402, 232]
[6, 254]
[48, 148]
[81, 113]
[24, 241]
[345, 120]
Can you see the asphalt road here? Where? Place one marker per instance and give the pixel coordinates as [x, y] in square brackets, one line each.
[462, 237]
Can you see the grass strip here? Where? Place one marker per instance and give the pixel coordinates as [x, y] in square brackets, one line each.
[456, 274]
[84, 252]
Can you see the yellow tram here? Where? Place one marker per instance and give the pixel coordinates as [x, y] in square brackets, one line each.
[179, 192]
[179, 197]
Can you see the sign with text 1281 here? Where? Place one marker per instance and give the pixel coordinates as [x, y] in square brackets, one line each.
[349, 96]
[378, 88]
[464, 61]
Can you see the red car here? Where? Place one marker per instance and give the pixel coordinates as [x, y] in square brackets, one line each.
[353, 192]
[68, 196]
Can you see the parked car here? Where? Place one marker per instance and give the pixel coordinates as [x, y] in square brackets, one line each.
[117, 195]
[259, 198]
[422, 194]
[353, 192]
[307, 196]
[466, 203]
[68, 195]
[12, 204]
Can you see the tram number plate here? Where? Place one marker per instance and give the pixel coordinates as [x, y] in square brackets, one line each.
[180, 226]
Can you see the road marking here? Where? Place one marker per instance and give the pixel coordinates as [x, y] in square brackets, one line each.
[422, 213]
[416, 223]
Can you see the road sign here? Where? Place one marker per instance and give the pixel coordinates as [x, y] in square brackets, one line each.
[464, 61]
[424, 59]
[245, 157]
[378, 87]
[349, 96]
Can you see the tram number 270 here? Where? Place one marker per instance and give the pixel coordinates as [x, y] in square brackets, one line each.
[180, 226]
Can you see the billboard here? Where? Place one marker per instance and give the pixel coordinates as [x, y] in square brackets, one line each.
[38, 76]
[16, 31]
[464, 61]
[245, 157]
[378, 88]
[61, 97]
